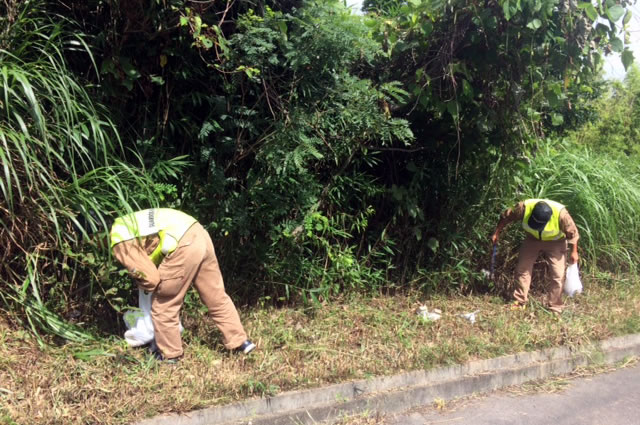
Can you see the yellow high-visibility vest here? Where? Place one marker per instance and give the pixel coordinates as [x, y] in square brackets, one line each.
[170, 225]
[551, 231]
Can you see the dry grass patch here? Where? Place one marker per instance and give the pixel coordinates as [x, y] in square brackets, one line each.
[365, 418]
[354, 338]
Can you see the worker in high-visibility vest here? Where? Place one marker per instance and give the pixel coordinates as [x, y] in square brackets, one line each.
[550, 229]
[166, 250]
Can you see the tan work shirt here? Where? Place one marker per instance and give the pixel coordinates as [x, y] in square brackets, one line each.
[134, 256]
[566, 222]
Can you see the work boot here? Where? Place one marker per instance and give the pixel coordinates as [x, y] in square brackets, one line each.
[246, 347]
[158, 356]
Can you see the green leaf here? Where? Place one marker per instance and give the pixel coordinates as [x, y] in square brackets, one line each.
[627, 58]
[371, 23]
[433, 244]
[615, 13]
[426, 28]
[452, 108]
[467, 90]
[537, 7]
[627, 17]
[556, 119]
[129, 69]
[591, 11]
[88, 355]
[616, 45]
[535, 24]
[206, 42]
[505, 9]
[283, 28]
[157, 80]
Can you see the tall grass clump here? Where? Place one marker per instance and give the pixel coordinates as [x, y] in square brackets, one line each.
[60, 157]
[603, 196]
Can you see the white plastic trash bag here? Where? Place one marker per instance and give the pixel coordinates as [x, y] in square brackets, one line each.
[572, 283]
[138, 322]
[429, 316]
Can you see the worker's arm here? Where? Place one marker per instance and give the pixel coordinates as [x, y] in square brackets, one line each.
[569, 228]
[574, 257]
[510, 215]
[134, 258]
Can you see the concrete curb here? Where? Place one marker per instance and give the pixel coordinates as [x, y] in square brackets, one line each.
[401, 392]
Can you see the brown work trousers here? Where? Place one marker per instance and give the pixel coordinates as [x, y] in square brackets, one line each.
[556, 254]
[194, 260]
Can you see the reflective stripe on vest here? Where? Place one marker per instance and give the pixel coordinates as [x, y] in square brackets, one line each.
[551, 231]
[170, 225]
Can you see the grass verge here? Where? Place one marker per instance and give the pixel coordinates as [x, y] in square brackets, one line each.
[353, 338]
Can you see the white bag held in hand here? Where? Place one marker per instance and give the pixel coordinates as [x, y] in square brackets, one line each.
[572, 283]
[138, 321]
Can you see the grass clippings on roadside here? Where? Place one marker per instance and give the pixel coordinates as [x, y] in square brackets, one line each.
[560, 383]
[365, 418]
[354, 338]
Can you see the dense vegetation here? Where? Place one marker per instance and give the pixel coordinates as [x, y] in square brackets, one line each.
[324, 151]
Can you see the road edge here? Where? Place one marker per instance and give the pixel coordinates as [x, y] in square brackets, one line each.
[390, 394]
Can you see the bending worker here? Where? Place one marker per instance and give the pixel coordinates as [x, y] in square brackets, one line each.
[549, 229]
[165, 250]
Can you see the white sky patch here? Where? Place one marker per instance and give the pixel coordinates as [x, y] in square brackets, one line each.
[613, 64]
[355, 5]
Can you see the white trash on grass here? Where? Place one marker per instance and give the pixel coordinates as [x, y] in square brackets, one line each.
[430, 316]
[471, 317]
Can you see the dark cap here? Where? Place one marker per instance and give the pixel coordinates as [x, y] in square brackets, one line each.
[540, 216]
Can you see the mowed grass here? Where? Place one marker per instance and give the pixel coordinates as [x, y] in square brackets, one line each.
[352, 338]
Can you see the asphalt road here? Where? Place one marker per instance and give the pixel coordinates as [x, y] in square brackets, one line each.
[605, 399]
